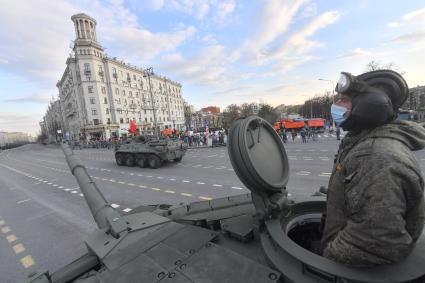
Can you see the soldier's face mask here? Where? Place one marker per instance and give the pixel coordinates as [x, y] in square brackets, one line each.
[338, 113]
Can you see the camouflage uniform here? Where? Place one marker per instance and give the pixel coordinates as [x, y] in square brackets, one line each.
[375, 205]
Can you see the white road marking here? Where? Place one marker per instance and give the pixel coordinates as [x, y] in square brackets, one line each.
[170, 192]
[22, 201]
[143, 187]
[160, 177]
[200, 183]
[54, 185]
[204, 198]
[140, 175]
[172, 179]
[212, 155]
[114, 205]
[237, 188]
[155, 189]
[74, 192]
[185, 181]
[217, 185]
[81, 195]
[112, 180]
[131, 184]
[206, 167]
[186, 194]
[127, 210]
[60, 187]
[121, 182]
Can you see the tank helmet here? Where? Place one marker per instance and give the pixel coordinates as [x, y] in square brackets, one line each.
[376, 97]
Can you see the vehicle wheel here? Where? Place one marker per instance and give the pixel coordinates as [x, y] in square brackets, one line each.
[154, 162]
[178, 159]
[129, 160]
[142, 162]
[119, 159]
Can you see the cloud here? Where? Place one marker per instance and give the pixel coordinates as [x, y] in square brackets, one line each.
[273, 20]
[206, 67]
[292, 51]
[310, 10]
[20, 122]
[40, 56]
[140, 45]
[393, 24]
[415, 16]
[355, 53]
[33, 98]
[413, 36]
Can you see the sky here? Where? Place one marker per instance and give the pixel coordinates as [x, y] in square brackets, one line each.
[221, 51]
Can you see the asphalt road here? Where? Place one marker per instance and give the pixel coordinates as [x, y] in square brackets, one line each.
[44, 218]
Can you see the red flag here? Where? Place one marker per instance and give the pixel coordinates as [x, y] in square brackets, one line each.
[133, 128]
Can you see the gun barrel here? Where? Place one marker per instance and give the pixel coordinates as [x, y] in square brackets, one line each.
[94, 198]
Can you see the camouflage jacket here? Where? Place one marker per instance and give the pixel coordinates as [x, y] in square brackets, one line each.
[375, 202]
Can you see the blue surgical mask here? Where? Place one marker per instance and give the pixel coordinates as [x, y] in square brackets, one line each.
[338, 113]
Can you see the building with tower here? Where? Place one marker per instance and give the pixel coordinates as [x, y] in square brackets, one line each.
[99, 95]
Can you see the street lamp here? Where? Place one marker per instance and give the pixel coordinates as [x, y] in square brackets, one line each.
[148, 73]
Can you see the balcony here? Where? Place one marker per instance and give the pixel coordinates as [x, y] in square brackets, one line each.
[87, 72]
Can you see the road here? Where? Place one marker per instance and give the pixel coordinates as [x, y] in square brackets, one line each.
[44, 218]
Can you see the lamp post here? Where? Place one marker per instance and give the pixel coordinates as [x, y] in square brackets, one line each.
[333, 95]
[148, 73]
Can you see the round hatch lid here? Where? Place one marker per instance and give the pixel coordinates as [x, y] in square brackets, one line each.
[257, 155]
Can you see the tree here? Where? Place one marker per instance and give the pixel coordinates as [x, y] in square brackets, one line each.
[268, 113]
[376, 65]
[247, 109]
[230, 114]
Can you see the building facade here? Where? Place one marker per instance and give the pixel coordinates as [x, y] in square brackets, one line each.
[53, 124]
[99, 95]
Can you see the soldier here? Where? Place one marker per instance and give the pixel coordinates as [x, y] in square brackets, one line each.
[375, 201]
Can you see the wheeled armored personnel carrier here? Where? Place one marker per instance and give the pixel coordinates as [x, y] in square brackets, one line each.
[259, 237]
[151, 153]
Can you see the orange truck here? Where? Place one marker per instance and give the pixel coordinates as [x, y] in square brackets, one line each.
[298, 124]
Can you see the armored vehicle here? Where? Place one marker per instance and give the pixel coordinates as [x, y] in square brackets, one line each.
[150, 153]
[263, 236]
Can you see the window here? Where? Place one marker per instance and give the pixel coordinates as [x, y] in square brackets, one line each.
[103, 89]
[96, 121]
[107, 110]
[121, 120]
[134, 77]
[117, 91]
[90, 88]
[109, 120]
[114, 71]
[100, 69]
[123, 92]
[130, 94]
[140, 119]
[146, 119]
[127, 120]
[94, 112]
[118, 101]
[137, 94]
[86, 67]
[105, 100]
[92, 100]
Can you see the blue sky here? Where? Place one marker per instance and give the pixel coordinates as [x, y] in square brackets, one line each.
[221, 51]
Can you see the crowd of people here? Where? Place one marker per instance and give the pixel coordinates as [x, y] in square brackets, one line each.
[191, 138]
